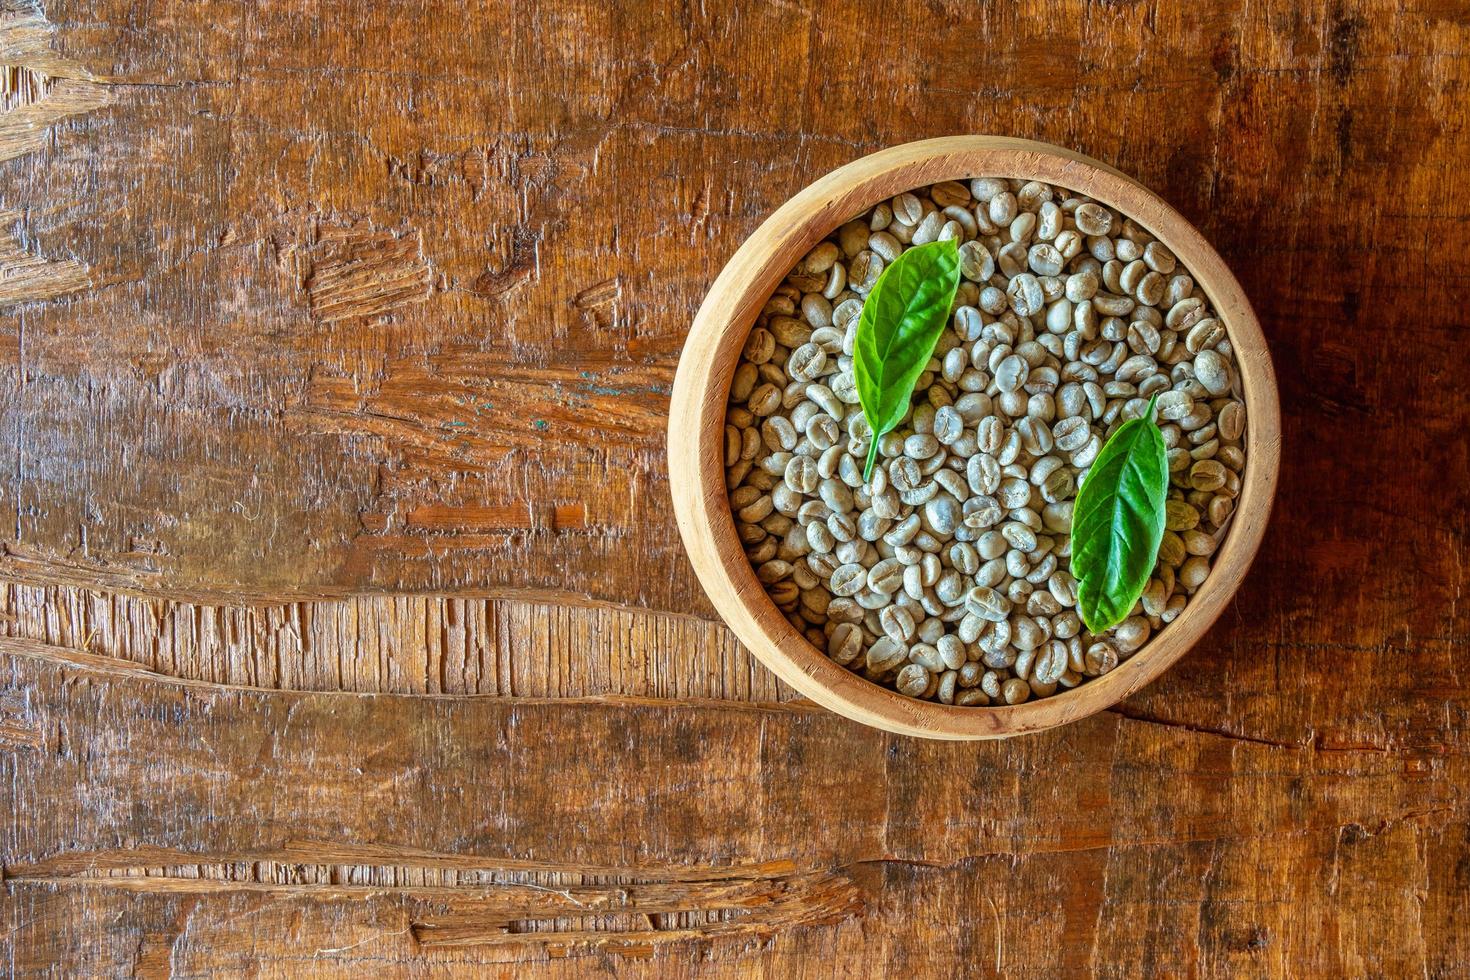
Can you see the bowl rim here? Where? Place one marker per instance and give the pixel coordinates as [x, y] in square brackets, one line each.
[711, 352]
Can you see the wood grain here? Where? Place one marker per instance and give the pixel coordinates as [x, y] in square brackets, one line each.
[401, 644]
[225, 781]
[200, 467]
[223, 438]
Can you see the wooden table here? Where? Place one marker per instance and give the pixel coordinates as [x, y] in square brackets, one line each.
[346, 630]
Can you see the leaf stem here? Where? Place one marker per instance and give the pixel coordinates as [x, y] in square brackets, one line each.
[872, 455]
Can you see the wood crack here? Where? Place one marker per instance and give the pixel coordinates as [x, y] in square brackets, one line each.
[26, 276]
[78, 658]
[639, 909]
[351, 271]
[40, 87]
[1132, 714]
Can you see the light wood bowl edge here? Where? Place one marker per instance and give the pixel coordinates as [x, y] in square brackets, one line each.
[711, 352]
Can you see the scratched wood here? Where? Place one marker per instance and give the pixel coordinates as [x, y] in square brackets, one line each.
[394, 306]
[1162, 846]
[401, 644]
[343, 626]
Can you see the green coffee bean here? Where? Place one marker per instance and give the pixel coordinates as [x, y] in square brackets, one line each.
[956, 551]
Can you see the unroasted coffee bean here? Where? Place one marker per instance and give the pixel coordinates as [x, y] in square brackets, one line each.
[1093, 219]
[849, 580]
[806, 362]
[1131, 634]
[1071, 434]
[885, 655]
[898, 623]
[886, 576]
[1015, 691]
[1204, 335]
[913, 680]
[945, 574]
[1180, 516]
[1231, 421]
[845, 644]
[1213, 371]
[1011, 373]
[1192, 573]
[1101, 658]
[801, 475]
[988, 604]
[1207, 474]
[1050, 663]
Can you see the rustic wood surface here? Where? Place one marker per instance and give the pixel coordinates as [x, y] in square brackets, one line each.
[345, 629]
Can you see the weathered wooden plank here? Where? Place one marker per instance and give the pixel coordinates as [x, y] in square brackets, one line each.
[201, 826]
[711, 785]
[301, 301]
[1273, 671]
[1217, 909]
[401, 644]
[401, 314]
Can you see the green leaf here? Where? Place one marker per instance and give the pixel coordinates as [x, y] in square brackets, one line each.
[1118, 522]
[902, 318]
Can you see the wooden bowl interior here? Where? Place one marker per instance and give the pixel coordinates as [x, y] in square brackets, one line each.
[702, 384]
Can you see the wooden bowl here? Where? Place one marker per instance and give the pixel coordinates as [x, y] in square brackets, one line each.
[701, 388]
